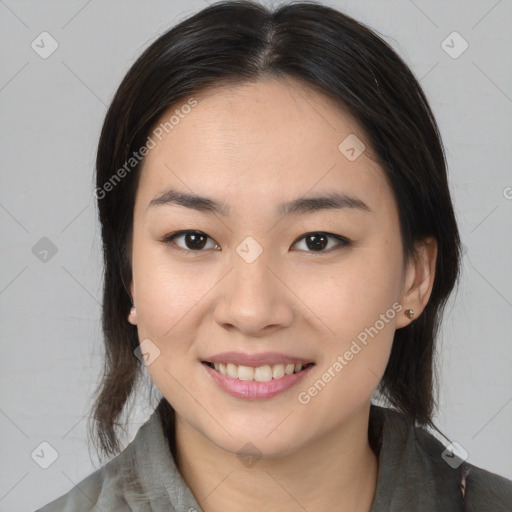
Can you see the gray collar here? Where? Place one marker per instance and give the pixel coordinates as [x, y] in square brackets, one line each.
[412, 474]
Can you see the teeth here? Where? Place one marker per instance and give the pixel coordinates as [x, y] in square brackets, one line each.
[232, 370]
[263, 373]
[278, 371]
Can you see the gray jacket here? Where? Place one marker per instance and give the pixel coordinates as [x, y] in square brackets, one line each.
[415, 474]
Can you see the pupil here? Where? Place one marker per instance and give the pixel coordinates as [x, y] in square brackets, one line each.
[316, 245]
[193, 238]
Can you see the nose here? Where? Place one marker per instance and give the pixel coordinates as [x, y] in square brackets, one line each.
[254, 298]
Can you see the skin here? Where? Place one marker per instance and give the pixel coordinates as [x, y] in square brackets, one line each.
[251, 147]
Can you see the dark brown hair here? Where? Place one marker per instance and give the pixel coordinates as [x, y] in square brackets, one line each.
[234, 42]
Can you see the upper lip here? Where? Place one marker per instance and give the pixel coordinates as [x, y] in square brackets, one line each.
[255, 360]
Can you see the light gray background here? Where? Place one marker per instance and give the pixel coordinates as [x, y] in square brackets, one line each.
[52, 110]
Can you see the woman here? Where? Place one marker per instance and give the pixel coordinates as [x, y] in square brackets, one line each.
[279, 244]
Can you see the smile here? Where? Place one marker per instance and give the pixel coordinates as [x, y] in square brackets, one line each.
[262, 373]
[246, 384]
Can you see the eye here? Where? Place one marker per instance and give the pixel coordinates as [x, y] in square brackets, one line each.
[194, 241]
[318, 240]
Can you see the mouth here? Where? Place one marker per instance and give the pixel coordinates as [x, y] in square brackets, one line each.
[264, 373]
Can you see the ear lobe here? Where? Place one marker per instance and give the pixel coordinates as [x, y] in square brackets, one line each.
[419, 279]
[132, 316]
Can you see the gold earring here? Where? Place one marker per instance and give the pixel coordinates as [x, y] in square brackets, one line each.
[409, 312]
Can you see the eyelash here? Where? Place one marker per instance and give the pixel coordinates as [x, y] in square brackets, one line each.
[342, 241]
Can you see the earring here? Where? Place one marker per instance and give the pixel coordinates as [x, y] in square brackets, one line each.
[409, 312]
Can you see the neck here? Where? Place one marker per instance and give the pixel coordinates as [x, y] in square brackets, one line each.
[336, 472]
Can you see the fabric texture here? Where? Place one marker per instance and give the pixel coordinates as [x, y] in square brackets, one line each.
[413, 475]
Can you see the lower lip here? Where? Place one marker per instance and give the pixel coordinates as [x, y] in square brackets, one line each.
[254, 390]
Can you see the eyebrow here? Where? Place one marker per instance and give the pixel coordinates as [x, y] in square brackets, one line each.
[301, 205]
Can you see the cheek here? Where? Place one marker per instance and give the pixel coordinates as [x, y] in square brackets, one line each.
[362, 315]
[350, 296]
[357, 303]
[170, 298]
[167, 293]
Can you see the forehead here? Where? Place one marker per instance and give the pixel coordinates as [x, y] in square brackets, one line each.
[261, 141]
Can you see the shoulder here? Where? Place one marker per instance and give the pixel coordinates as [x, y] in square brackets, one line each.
[444, 478]
[142, 477]
[481, 490]
[486, 491]
[107, 488]
[83, 496]
[101, 490]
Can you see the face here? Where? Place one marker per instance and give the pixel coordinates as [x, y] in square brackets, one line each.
[316, 283]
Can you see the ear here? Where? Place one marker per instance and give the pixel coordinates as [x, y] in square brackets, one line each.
[132, 315]
[419, 280]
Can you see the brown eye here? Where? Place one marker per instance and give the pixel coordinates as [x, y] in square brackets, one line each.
[195, 241]
[318, 241]
[192, 240]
